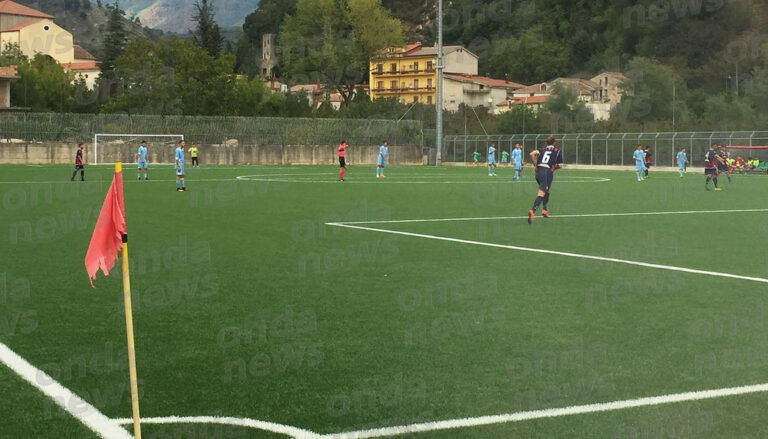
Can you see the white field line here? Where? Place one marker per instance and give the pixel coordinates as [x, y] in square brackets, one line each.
[586, 215]
[287, 430]
[557, 253]
[548, 413]
[350, 180]
[89, 415]
[461, 422]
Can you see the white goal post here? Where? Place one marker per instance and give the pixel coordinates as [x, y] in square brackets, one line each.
[132, 136]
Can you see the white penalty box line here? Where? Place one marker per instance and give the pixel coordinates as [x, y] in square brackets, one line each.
[359, 226]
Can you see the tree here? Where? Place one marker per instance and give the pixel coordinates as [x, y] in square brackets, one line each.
[43, 85]
[520, 119]
[332, 41]
[208, 33]
[175, 76]
[566, 111]
[267, 19]
[114, 40]
[652, 92]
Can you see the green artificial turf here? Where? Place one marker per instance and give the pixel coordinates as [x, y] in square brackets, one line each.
[247, 304]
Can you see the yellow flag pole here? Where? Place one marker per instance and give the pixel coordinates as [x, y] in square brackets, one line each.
[129, 331]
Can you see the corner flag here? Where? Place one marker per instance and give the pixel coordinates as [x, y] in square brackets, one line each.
[107, 239]
[110, 236]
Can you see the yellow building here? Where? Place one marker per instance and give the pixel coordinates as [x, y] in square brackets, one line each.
[35, 32]
[410, 74]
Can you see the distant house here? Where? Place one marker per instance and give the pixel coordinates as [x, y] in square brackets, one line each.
[35, 32]
[410, 73]
[600, 94]
[6, 75]
[317, 94]
[475, 91]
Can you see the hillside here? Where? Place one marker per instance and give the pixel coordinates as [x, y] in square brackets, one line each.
[176, 15]
[86, 21]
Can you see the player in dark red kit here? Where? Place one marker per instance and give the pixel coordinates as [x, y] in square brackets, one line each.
[342, 160]
[710, 167]
[79, 163]
[545, 161]
[722, 163]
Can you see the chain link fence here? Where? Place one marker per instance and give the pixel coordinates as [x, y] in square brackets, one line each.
[610, 148]
[41, 127]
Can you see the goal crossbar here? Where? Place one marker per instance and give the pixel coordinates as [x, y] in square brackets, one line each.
[96, 138]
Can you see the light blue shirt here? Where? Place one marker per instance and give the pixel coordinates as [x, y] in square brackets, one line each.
[491, 152]
[143, 153]
[639, 157]
[180, 155]
[383, 151]
[681, 157]
[517, 156]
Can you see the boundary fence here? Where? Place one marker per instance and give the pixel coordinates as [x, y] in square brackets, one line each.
[605, 148]
[71, 127]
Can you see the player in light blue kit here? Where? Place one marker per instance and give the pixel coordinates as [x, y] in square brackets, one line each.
[517, 161]
[141, 160]
[179, 159]
[682, 159]
[639, 157]
[381, 161]
[492, 160]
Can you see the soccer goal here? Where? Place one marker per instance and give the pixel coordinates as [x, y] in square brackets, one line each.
[758, 155]
[111, 148]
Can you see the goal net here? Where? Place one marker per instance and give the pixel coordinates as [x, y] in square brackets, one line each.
[110, 148]
[757, 155]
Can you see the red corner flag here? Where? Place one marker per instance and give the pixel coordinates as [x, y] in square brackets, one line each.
[107, 239]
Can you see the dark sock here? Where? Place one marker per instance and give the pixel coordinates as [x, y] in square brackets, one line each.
[546, 200]
[73, 175]
[707, 183]
[536, 203]
[715, 180]
[82, 175]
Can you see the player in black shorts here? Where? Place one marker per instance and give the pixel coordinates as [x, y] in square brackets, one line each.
[722, 162]
[79, 164]
[710, 167]
[545, 161]
[342, 160]
[648, 159]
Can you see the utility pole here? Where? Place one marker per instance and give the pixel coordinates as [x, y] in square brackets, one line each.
[439, 103]
[674, 103]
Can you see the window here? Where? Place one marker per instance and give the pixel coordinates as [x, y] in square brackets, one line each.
[429, 83]
[415, 99]
[416, 84]
[379, 68]
[416, 67]
[429, 99]
[393, 85]
[393, 68]
[429, 66]
[380, 85]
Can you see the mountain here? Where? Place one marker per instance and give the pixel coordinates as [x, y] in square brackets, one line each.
[86, 21]
[176, 15]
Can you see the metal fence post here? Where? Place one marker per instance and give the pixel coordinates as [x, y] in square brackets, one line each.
[622, 148]
[578, 137]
